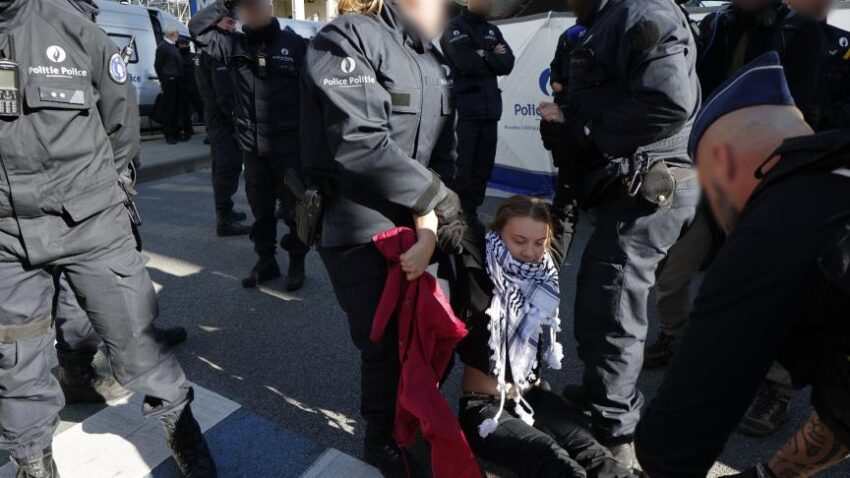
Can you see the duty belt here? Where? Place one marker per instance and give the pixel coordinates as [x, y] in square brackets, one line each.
[32, 330]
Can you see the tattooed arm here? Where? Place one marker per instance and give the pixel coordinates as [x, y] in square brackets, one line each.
[813, 449]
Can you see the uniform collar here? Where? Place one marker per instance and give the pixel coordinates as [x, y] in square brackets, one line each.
[266, 34]
[472, 16]
[13, 12]
[800, 153]
[816, 143]
[397, 21]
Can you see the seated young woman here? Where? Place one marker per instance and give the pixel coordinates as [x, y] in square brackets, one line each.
[508, 294]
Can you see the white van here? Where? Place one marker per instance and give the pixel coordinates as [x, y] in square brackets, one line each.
[123, 22]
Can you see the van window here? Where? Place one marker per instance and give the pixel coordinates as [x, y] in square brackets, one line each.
[122, 40]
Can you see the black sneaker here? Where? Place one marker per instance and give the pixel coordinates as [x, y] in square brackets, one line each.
[188, 446]
[390, 459]
[767, 413]
[265, 270]
[40, 465]
[227, 227]
[659, 354]
[296, 275]
[237, 215]
[170, 336]
[82, 384]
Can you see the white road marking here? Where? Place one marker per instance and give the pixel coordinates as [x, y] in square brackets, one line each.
[333, 464]
[119, 442]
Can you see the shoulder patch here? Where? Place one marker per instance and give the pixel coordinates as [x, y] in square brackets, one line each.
[117, 69]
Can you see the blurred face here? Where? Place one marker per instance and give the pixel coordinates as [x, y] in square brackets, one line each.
[172, 35]
[429, 16]
[814, 9]
[254, 13]
[526, 238]
[481, 7]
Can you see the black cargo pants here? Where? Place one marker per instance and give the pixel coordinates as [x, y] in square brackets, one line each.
[617, 272]
[476, 156]
[114, 289]
[264, 186]
[558, 445]
[358, 275]
[226, 165]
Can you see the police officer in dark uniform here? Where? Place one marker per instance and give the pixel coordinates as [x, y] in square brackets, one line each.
[633, 94]
[168, 65]
[188, 90]
[216, 89]
[832, 101]
[69, 123]
[377, 114]
[265, 63]
[564, 206]
[773, 292]
[744, 29]
[478, 54]
[559, 69]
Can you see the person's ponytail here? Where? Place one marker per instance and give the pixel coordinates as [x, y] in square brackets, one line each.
[360, 7]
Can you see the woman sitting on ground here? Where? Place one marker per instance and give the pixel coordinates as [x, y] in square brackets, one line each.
[508, 294]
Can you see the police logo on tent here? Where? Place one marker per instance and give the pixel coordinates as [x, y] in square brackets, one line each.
[118, 69]
[347, 64]
[543, 82]
[55, 53]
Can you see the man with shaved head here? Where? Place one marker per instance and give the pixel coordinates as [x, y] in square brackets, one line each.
[779, 289]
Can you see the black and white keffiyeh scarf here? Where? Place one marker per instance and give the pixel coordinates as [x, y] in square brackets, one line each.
[526, 297]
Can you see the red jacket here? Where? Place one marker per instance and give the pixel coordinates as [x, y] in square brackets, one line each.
[428, 333]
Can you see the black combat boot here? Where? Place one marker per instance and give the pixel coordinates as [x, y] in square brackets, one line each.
[382, 452]
[82, 384]
[170, 335]
[265, 270]
[40, 465]
[188, 446]
[227, 225]
[296, 275]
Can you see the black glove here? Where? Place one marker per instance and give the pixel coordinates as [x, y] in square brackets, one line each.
[451, 226]
[551, 134]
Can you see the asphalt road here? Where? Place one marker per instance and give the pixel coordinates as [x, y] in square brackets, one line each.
[288, 356]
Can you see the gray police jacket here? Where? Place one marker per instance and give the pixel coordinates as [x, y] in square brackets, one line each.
[78, 129]
[633, 79]
[376, 114]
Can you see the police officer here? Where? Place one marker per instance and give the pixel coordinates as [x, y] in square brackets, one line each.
[188, 90]
[265, 63]
[216, 89]
[168, 65]
[478, 54]
[772, 293]
[832, 101]
[564, 206]
[633, 94]
[62, 211]
[377, 114]
[745, 29]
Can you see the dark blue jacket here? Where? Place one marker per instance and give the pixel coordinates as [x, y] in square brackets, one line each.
[266, 112]
[476, 85]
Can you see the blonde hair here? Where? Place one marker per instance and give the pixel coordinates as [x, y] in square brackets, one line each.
[360, 7]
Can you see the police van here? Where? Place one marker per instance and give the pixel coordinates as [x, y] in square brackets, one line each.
[146, 26]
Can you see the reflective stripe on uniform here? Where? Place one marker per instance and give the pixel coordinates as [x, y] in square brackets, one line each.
[32, 330]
